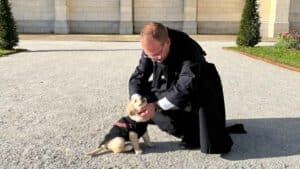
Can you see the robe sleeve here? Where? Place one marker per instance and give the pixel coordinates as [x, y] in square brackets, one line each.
[140, 76]
[179, 94]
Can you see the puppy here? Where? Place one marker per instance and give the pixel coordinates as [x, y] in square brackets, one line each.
[128, 128]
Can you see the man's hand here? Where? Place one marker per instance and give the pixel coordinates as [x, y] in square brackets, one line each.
[148, 111]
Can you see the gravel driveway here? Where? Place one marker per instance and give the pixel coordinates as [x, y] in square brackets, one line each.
[59, 98]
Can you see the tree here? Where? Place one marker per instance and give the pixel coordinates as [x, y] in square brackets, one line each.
[249, 34]
[8, 30]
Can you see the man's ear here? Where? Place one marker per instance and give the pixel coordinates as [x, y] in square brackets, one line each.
[168, 41]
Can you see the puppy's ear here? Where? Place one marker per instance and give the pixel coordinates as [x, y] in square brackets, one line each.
[130, 108]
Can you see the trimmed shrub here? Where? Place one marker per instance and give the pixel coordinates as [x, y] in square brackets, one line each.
[249, 34]
[8, 30]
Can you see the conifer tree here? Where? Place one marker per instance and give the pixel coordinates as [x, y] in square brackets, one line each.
[249, 34]
[8, 30]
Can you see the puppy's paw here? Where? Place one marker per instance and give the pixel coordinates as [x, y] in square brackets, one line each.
[138, 152]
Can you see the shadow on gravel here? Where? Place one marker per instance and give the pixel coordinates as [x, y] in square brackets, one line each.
[266, 138]
[162, 147]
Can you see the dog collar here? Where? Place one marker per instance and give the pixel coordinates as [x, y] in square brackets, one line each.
[123, 125]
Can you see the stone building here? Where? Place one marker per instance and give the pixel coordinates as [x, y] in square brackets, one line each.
[128, 16]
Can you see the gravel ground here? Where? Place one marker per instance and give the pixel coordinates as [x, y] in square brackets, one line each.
[59, 98]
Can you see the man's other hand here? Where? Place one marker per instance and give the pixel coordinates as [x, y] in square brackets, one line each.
[148, 111]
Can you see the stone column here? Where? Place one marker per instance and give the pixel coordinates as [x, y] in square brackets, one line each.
[126, 16]
[190, 16]
[61, 17]
[279, 17]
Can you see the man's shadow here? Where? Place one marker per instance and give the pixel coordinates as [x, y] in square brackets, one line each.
[162, 147]
[265, 138]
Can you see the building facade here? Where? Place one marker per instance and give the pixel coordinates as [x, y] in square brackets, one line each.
[128, 16]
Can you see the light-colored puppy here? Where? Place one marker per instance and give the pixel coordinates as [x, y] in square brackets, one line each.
[128, 128]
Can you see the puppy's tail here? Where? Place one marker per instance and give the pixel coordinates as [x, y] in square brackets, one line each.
[100, 150]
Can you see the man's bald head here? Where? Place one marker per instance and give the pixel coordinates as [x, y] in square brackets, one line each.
[155, 31]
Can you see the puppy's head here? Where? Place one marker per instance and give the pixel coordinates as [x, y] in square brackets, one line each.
[133, 108]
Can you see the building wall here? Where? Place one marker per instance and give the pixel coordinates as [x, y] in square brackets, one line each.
[295, 15]
[169, 12]
[219, 17]
[92, 16]
[265, 16]
[33, 16]
[128, 16]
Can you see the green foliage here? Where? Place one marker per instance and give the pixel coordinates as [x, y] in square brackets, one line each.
[8, 30]
[249, 34]
[289, 40]
[6, 52]
[276, 54]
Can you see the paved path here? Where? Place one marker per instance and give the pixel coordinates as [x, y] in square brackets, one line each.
[59, 98]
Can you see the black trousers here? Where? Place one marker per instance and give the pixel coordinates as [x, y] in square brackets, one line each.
[179, 123]
[205, 124]
[176, 122]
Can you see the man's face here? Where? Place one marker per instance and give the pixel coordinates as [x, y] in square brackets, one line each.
[156, 50]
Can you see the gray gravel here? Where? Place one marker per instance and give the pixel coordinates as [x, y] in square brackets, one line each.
[58, 99]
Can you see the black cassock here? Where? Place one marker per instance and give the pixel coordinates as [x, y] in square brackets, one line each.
[193, 85]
